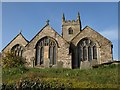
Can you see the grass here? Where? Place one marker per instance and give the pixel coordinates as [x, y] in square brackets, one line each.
[102, 77]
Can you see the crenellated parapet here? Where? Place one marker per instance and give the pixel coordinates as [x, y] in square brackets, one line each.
[70, 28]
[71, 22]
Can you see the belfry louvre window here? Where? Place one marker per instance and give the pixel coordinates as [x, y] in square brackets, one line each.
[87, 50]
[51, 44]
[70, 30]
[17, 50]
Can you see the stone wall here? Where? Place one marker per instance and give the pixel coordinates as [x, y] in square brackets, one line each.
[103, 44]
[19, 39]
[62, 51]
[64, 58]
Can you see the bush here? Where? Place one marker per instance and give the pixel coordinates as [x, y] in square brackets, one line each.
[11, 60]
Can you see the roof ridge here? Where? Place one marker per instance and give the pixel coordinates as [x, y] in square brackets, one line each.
[37, 33]
[42, 29]
[14, 39]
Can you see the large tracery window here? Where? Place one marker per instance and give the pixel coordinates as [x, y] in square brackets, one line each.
[87, 50]
[40, 47]
[17, 50]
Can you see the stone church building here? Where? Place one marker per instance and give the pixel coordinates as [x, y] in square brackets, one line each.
[75, 48]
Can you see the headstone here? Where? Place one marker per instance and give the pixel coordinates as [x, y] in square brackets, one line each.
[32, 62]
[60, 64]
[85, 65]
[94, 62]
[47, 63]
[54, 66]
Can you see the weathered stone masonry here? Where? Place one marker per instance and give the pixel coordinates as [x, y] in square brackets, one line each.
[75, 48]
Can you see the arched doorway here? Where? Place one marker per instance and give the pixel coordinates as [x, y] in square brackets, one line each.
[46, 48]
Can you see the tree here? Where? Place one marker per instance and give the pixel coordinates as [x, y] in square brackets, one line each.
[11, 60]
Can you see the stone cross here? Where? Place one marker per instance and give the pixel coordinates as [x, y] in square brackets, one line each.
[47, 22]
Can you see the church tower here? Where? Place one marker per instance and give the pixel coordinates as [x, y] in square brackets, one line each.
[70, 28]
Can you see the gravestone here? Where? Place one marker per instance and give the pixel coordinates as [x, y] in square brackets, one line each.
[60, 64]
[85, 65]
[32, 61]
[47, 63]
[94, 62]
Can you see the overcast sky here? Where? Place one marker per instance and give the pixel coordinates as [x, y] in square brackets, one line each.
[31, 17]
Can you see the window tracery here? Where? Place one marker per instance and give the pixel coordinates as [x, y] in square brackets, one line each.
[51, 43]
[87, 50]
[17, 50]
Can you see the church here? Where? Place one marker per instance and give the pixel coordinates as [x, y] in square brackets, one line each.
[74, 48]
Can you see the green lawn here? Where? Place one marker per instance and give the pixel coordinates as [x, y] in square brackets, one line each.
[102, 77]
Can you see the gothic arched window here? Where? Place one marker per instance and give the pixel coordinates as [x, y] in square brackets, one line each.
[17, 50]
[87, 50]
[51, 46]
[70, 30]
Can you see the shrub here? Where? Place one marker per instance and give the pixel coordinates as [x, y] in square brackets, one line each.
[11, 60]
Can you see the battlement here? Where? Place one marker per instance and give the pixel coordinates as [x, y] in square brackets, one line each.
[71, 22]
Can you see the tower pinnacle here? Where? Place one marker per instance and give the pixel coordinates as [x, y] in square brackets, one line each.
[47, 22]
[78, 17]
[63, 18]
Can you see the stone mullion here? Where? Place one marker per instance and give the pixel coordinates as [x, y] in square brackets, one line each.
[20, 51]
[17, 51]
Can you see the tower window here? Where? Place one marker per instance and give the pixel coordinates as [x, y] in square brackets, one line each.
[70, 30]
